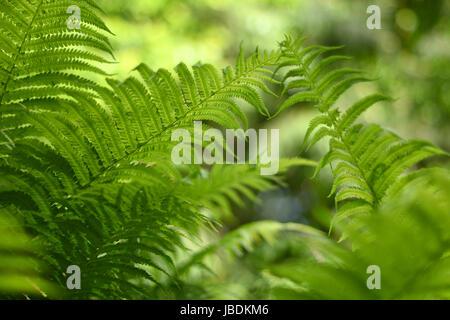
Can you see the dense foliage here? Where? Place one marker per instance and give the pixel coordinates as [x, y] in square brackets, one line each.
[87, 179]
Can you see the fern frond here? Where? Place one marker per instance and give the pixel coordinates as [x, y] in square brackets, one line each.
[88, 165]
[36, 40]
[406, 239]
[42, 59]
[365, 161]
[225, 185]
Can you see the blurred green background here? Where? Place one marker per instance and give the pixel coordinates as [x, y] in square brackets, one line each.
[410, 57]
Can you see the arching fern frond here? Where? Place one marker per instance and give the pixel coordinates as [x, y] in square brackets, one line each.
[93, 176]
[43, 56]
[365, 160]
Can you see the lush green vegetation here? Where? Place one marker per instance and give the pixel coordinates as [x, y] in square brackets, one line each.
[87, 177]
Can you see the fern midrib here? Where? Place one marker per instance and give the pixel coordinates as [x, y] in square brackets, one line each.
[313, 87]
[356, 162]
[170, 126]
[14, 64]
